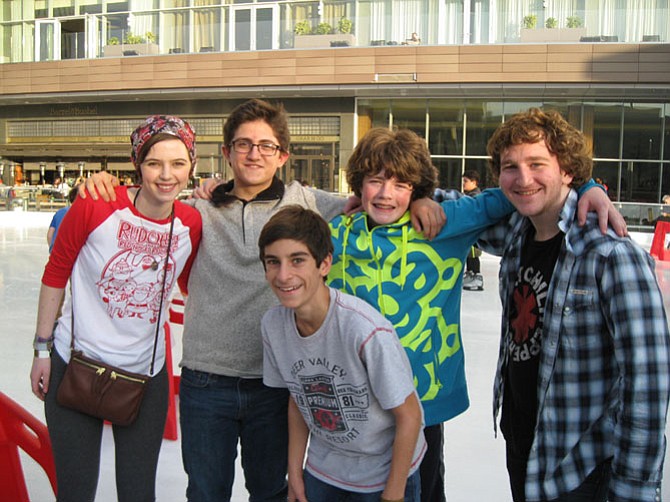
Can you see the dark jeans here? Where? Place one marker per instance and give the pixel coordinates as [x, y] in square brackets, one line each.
[432, 465]
[472, 263]
[215, 412]
[319, 491]
[76, 439]
[593, 489]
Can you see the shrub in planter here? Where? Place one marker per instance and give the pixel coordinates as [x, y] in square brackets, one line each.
[551, 22]
[574, 22]
[530, 21]
[344, 25]
[323, 29]
[302, 28]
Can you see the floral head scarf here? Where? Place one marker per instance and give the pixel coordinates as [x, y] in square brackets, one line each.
[166, 124]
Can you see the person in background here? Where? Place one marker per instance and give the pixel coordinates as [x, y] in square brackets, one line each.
[414, 39]
[583, 372]
[472, 280]
[58, 218]
[352, 393]
[62, 186]
[109, 251]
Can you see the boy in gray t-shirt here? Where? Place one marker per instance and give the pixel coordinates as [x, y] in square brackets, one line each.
[352, 393]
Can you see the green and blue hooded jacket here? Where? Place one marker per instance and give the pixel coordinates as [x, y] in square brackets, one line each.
[417, 284]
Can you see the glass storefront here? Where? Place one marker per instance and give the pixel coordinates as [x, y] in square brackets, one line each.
[630, 140]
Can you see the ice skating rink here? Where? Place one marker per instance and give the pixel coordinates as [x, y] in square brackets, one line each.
[475, 462]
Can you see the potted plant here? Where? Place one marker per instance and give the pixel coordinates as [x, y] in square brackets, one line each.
[574, 22]
[529, 21]
[323, 35]
[134, 45]
[345, 25]
[550, 32]
[133, 39]
[302, 28]
[323, 29]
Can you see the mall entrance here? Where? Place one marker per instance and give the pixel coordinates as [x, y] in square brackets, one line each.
[314, 165]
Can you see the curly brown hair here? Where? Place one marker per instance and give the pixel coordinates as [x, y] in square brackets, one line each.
[401, 153]
[562, 139]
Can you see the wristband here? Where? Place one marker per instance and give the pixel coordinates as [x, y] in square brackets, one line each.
[43, 343]
[42, 354]
[392, 500]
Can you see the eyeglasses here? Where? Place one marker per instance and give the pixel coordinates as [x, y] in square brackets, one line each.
[245, 146]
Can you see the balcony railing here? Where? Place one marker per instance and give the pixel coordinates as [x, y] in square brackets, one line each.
[296, 24]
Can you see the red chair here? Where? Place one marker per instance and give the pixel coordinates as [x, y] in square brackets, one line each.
[20, 429]
[176, 312]
[170, 431]
[658, 249]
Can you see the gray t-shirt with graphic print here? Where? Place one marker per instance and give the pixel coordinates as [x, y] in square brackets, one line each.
[345, 379]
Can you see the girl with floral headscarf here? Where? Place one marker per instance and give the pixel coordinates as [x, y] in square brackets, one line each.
[122, 259]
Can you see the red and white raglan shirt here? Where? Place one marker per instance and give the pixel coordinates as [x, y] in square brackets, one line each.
[115, 260]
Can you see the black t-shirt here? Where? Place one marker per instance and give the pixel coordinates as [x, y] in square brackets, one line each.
[519, 410]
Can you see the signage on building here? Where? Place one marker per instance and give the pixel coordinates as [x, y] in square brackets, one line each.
[73, 110]
[314, 139]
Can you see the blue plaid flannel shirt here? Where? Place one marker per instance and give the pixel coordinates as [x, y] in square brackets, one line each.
[604, 377]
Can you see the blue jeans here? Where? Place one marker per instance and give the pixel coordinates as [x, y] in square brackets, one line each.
[216, 411]
[318, 491]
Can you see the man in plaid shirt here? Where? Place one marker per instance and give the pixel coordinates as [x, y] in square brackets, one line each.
[584, 365]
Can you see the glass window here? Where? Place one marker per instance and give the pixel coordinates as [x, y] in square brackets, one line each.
[175, 31]
[10, 10]
[117, 26]
[12, 46]
[642, 131]
[410, 114]
[482, 167]
[63, 8]
[666, 136]
[513, 107]
[90, 9]
[572, 112]
[117, 7]
[41, 10]
[641, 181]
[142, 24]
[449, 173]
[373, 113]
[608, 174]
[445, 127]
[207, 27]
[483, 117]
[602, 121]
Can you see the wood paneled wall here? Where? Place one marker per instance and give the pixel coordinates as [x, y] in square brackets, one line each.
[583, 63]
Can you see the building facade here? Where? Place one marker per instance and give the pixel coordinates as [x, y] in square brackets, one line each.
[76, 76]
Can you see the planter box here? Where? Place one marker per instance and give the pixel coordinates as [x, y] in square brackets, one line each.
[536, 35]
[117, 51]
[313, 41]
